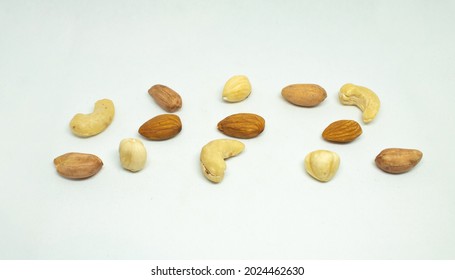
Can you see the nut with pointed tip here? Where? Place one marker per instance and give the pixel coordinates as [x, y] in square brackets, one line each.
[86, 125]
[242, 125]
[322, 164]
[161, 127]
[77, 165]
[213, 156]
[133, 154]
[237, 89]
[361, 97]
[342, 131]
[398, 160]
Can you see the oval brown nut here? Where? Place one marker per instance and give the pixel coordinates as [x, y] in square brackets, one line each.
[161, 127]
[242, 125]
[398, 160]
[168, 99]
[342, 131]
[77, 165]
[306, 95]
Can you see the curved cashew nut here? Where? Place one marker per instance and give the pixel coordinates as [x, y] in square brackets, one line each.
[363, 98]
[86, 125]
[213, 155]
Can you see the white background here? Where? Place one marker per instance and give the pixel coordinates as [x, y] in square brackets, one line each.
[58, 57]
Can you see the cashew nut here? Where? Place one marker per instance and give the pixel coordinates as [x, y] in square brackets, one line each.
[363, 98]
[86, 125]
[213, 155]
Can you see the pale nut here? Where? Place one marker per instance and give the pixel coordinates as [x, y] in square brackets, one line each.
[213, 155]
[322, 164]
[342, 131]
[361, 97]
[86, 125]
[167, 98]
[398, 160]
[242, 125]
[77, 165]
[236, 89]
[133, 154]
[305, 95]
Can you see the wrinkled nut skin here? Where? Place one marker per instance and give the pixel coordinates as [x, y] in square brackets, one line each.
[213, 156]
[77, 165]
[361, 97]
[161, 127]
[305, 95]
[322, 164]
[133, 154]
[168, 99]
[242, 125]
[342, 131]
[398, 160]
[236, 89]
[86, 125]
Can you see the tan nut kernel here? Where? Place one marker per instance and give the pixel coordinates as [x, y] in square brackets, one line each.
[305, 95]
[236, 89]
[77, 165]
[342, 131]
[213, 155]
[398, 160]
[242, 125]
[361, 97]
[133, 154]
[322, 164]
[167, 98]
[86, 125]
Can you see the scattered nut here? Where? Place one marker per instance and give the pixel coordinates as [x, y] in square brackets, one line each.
[213, 155]
[363, 98]
[243, 125]
[398, 160]
[86, 125]
[133, 154]
[322, 164]
[77, 165]
[161, 127]
[306, 95]
[342, 131]
[236, 89]
[166, 98]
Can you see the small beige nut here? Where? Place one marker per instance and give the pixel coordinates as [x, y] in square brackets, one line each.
[86, 125]
[322, 164]
[398, 160]
[236, 89]
[361, 97]
[306, 95]
[213, 155]
[133, 154]
[77, 165]
[167, 98]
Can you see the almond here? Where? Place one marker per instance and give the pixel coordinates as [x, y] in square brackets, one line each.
[342, 131]
[77, 165]
[161, 127]
[306, 95]
[398, 160]
[242, 125]
[168, 99]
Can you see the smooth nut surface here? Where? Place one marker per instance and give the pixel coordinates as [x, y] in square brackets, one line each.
[398, 160]
[161, 127]
[306, 95]
[362, 97]
[133, 154]
[322, 164]
[167, 98]
[242, 125]
[342, 131]
[213, 155]
[236, 89]
[86, 125]
[77, 165]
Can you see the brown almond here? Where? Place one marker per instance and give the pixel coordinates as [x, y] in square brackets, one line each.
[77, 165]
[306, 95]
[398, 160]
[342, 131]
[242, 125]
[168, 99]
[161, 127]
